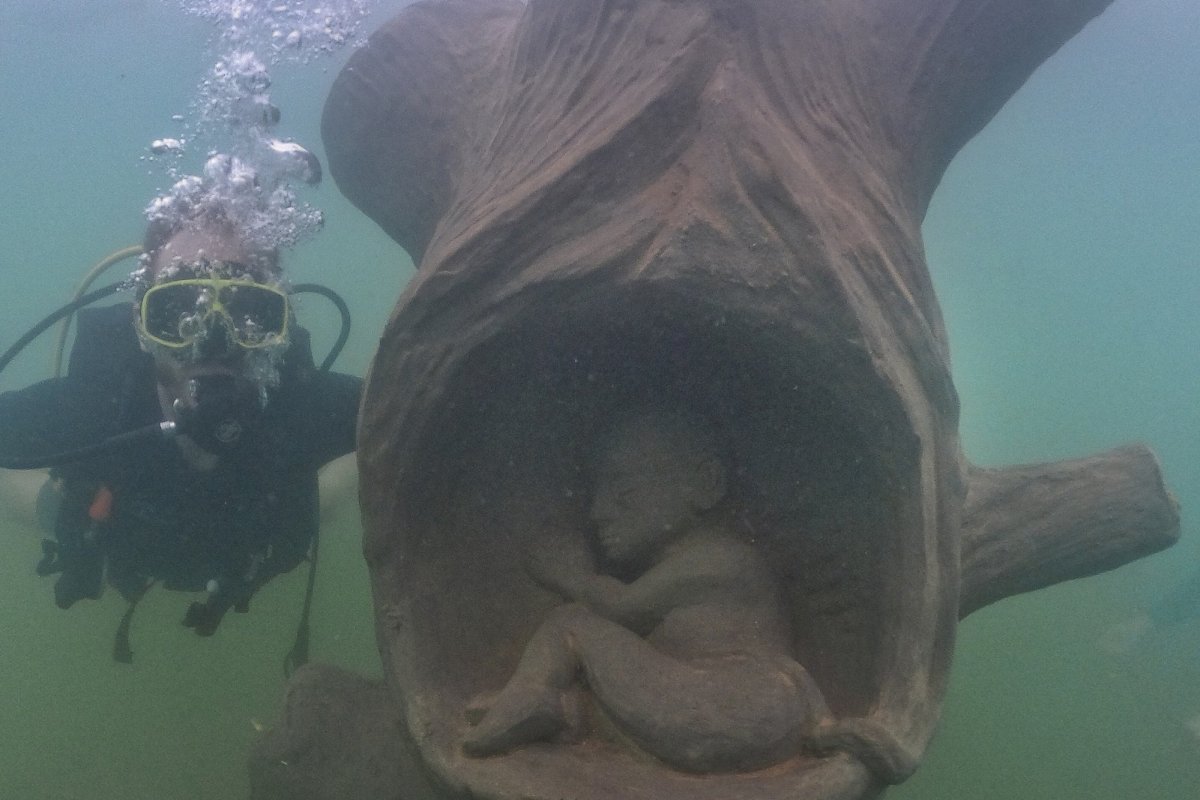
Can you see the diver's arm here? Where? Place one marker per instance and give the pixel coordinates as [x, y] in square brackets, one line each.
[331, 415]
[51, 417]
[339, 485]
[19, 490]
[332, 419]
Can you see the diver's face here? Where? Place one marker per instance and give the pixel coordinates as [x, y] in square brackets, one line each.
[217, 354]
[643, 498]
[174, 260]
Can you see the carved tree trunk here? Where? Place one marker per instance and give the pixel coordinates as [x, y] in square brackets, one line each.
[715, 205]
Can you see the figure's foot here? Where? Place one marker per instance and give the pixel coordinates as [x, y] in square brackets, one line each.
[516, 718]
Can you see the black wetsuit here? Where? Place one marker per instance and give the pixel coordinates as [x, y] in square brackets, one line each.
[232, 528]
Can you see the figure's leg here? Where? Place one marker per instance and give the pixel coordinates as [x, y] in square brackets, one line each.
[715, 714]
[530, 706]
[734, 712]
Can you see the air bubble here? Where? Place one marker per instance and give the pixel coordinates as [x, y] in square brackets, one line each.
[249, 169]
[163, 146]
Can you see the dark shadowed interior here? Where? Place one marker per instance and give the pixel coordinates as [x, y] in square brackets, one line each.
[822, 482]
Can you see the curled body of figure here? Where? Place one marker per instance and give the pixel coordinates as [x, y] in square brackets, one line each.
[690, 659]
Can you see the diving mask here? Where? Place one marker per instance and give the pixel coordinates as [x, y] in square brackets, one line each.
[178, 313]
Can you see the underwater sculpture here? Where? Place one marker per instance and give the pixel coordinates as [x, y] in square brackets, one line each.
[711, 207]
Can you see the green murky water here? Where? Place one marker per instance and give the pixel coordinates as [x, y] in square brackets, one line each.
[1065, 246]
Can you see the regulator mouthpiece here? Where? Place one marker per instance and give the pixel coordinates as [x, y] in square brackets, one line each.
[225, 408]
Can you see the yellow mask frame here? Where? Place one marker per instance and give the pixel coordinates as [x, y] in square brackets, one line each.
[166, 309]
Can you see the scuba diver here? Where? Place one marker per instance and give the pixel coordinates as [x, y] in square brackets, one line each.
[186, 436]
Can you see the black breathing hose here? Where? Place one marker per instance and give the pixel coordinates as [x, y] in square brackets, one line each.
[343, 309]
[50, 319]
[164, 429]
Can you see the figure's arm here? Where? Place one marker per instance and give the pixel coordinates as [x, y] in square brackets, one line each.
[564, 565]
[639, 605]
[696, 573]
[713, 572]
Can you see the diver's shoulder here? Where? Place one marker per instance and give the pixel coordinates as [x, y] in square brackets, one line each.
[106, 345]
[117, 316]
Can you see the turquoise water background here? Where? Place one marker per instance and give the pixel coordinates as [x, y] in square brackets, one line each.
[1065, 246]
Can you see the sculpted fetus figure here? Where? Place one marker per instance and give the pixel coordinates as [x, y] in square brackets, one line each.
[690, 657]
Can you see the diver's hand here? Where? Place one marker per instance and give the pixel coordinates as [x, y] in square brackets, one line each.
[561, 564]
[21, 498]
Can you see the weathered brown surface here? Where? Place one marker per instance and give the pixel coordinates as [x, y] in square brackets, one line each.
[714, 205]
[1028, 527]
[340, 736]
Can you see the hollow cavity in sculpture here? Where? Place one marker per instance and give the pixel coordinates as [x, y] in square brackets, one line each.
[690, 655]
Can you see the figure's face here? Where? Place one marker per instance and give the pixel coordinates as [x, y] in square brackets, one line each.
[644, 496]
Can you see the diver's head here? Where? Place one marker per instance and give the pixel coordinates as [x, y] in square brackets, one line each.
[209, 230]
[210, 309]
[206, 296]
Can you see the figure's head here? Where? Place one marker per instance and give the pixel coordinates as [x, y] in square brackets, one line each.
[656, 475]
[209, 303]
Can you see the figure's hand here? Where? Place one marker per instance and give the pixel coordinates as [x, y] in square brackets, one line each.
[560, 564]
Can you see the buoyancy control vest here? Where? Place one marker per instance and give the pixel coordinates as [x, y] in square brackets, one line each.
[136, 516]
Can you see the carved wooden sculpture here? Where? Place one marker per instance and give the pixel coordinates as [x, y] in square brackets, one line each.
[712, 206]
